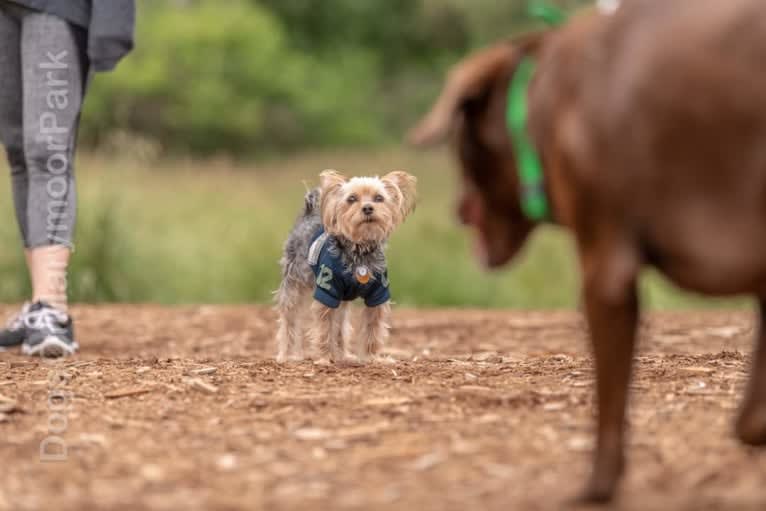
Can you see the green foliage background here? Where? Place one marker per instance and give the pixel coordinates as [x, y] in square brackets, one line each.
[259, 77]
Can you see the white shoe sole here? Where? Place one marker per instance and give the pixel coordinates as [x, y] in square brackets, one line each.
[51, 347]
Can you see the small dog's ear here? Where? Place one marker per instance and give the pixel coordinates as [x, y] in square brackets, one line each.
[403, 186]
[330, 182]
[331, 179]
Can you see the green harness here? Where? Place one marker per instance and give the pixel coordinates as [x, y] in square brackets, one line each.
[534, 202]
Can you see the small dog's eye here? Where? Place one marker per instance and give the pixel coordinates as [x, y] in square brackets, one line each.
[351, 199]
[379, 198]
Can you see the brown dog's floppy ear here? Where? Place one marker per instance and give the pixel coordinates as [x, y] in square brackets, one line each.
[330, 182]
[469, 79]
[402, 186]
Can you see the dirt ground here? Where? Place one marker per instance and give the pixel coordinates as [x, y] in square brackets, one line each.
[184, 408]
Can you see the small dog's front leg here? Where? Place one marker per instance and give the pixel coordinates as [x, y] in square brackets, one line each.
[326, 331]
[346, 334]
[373, 331]
[289, 334]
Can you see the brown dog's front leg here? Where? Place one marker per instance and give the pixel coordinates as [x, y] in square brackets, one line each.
[751, 425]
[611, 306]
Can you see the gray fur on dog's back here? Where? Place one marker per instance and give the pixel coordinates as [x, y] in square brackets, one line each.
[295, 267]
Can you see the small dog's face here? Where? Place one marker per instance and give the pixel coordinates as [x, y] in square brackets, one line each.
[366, 209]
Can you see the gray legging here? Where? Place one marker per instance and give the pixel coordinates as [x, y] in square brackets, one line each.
[43, 71]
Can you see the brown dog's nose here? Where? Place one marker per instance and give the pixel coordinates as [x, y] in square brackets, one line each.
[368, 209]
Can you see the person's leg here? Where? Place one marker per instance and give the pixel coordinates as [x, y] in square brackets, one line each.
[12, 139]
[48, 267]
[11, 133]
[54, 68]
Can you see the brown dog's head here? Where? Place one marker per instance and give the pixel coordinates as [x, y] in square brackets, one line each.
[472, 106]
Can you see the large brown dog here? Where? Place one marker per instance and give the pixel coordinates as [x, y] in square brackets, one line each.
[651, 128]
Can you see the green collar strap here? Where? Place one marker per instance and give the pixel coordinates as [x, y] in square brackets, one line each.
[546, 12]
[534, 202]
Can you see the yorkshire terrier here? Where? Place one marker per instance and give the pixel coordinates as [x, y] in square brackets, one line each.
[335, 254]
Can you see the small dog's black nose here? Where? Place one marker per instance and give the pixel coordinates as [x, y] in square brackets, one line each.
[368, 210]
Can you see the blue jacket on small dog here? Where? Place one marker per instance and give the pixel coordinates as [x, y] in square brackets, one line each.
[336, 283]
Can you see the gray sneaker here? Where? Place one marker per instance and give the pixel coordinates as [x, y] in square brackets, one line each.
[49, 332]
[14, 332]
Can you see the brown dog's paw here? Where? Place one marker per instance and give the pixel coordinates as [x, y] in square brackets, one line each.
[751, 426]
[593, 496]
[601, 487]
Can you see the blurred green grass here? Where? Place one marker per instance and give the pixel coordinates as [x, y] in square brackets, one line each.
[187, 231]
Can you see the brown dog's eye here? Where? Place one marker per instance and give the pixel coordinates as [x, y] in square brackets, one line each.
[378, 198]
[351, 199]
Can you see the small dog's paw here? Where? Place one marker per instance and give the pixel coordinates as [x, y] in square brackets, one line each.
[367, 358]
[323, 361]
[350, 361]
[383, 359]
[290, 359]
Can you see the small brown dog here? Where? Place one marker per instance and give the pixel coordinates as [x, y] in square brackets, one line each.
[335, 254]
[643, 133]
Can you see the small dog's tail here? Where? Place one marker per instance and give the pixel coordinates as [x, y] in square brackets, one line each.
[311, 202]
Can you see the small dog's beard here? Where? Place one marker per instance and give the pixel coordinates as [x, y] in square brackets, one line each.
[362, 229]
[369, 232]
